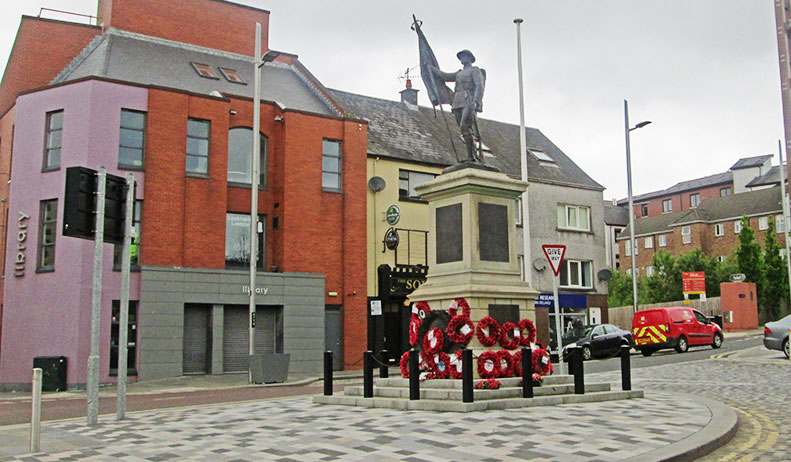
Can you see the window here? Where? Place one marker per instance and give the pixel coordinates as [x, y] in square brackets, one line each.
[240, 147]
[407, 180]
[627, 248]
[763, 223]
[694, 200]
[198, 146]
[132, 139]
[544, 159]
[53, 140]
[237, 240]
[628, 271]
[737, 226]
[662, 238]
[204, 70]
[649, 271]
[134, 249]
[574, 273]
[719, 229]
[331, 165]
[725, 191]
[644, 209]
[131, 338]
[649, 242]
[574, 217]
[780, 225]
[686, 235]
[47, 228]
[721, 258]
[667, 205]
[232, 75]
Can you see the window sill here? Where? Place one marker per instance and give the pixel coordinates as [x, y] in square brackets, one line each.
[135, 168]
[573, 230]
[334, 191]
[45, 270]
[575, 288]
[233, 184]
[203, 176]
[50, 169]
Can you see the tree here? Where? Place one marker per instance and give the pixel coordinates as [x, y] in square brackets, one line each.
[665, 284]
[748, 256]
[620, 289]
[775, 288]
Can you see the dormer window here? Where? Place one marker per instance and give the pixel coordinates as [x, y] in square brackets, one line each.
[204, 70]
[544, 159]
[232, 75]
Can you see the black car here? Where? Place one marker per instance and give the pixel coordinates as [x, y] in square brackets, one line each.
[600, 341]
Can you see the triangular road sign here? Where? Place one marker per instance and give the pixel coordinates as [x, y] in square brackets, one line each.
[554, 254]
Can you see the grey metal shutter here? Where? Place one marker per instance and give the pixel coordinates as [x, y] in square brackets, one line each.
[196, 339]
[234, 348]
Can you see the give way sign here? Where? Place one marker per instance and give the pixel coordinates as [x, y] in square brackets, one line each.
[554, 254]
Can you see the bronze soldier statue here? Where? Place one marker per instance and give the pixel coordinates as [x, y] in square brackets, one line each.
[467, 99]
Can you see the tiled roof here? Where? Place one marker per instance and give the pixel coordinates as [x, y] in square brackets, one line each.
[419, 134]
[145, 60]
[761, 202]
[770, 178]
[748, 162]
[615, 215]
[689, 185]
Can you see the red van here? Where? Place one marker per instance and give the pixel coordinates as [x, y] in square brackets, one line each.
[676, 327]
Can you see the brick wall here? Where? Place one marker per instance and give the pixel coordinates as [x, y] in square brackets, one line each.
[210, 23]
[42, 48]
[680, 200]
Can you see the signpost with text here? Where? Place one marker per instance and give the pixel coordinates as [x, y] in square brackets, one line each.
[554, 254]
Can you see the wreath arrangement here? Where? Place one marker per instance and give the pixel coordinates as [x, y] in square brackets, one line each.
[403, 364]
[439, 365]
[457, 303]
[460, 329]
[506, 363]
[456, 365]
[488, 384]
[494, 331]
[530, 336]
[516, 363]
[419, 312]
[489, 365]
[510, 329]
[433, 341]
[541, 363]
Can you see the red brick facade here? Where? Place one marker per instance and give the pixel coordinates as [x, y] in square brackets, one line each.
[209, 23]
[680, 201]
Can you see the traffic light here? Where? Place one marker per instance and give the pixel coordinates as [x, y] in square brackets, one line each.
[80, 205]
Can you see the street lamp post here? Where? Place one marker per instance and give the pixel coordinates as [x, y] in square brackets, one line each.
[631, 203]
[258, 61]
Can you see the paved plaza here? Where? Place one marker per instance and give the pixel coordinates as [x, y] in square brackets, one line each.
[677, 415]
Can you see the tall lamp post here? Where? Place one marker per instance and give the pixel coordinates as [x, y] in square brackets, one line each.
[631, 204]
[258, 61]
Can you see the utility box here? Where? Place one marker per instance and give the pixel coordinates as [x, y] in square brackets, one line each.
[53, 368]
[739, 306]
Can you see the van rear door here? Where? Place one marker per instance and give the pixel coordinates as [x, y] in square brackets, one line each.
[649, 327]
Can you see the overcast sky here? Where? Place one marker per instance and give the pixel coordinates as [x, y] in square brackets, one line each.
[705, 72]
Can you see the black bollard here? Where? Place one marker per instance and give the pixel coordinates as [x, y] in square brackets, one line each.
[527, 372]
[466, 376]
[626, 369]
[368, 374]
[579, 380]
[414, 376]
[384, 371]
[327, 373]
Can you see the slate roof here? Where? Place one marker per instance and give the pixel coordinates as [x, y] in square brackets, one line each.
[141, 59]
[615, 215]
[749, 162]
[770, 178]
[697, 183]
[761, 202]
[412, 133]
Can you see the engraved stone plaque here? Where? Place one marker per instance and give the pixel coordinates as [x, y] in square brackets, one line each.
[449, 235]
[493, 232]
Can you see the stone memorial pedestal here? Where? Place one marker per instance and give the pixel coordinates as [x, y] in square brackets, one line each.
[473, 246]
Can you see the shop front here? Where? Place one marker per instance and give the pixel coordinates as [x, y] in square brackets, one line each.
[390, 312]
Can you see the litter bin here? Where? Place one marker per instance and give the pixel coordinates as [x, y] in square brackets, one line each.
[53, 370]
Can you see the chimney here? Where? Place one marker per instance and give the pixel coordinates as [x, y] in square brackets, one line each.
[409, 94]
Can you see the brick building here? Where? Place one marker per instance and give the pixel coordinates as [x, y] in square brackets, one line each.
[713, 226]
[165, 92]
[747, 174]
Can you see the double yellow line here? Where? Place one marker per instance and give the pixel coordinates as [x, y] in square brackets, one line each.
[763, 436]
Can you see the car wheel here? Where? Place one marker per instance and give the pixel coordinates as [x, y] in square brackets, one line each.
[586, 353]
[717, 341]
[647, 352]
[786, 348]
[682, 346]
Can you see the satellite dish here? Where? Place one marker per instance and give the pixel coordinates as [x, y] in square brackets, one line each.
[376, 184]
[540, 264]
[604, 275]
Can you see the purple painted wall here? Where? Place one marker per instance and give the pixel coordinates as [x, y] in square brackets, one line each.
[49, 314]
